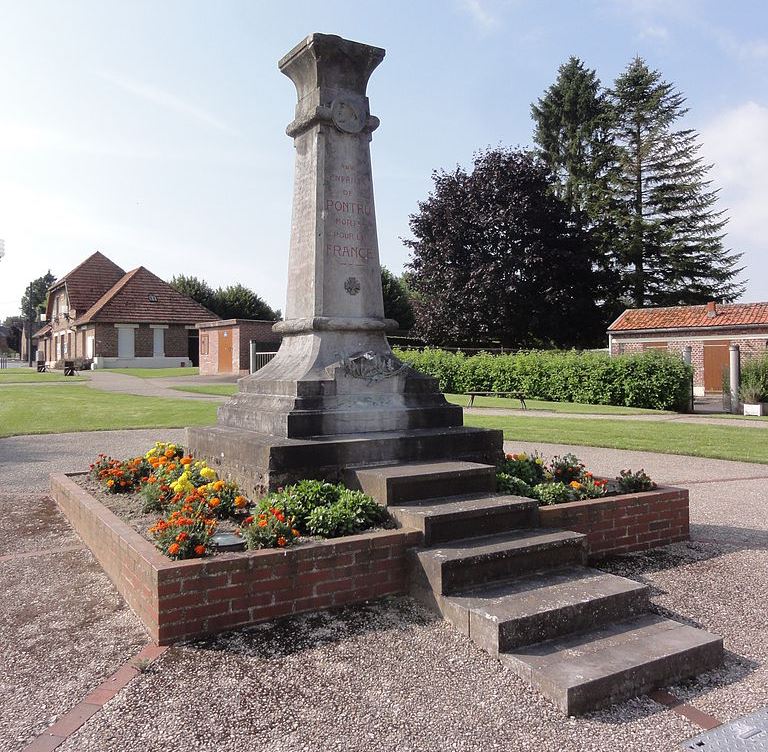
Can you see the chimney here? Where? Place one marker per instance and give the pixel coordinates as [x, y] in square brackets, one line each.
[711, 309]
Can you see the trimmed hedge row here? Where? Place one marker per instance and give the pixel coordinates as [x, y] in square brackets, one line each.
[652, 379]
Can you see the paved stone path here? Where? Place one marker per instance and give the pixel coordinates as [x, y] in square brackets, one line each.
[387, 675]
[162, 387]
[640, 417]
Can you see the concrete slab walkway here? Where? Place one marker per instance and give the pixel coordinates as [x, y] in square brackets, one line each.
[386, 675]
[162, 387]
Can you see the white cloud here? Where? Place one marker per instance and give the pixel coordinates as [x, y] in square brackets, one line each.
[165, 99]
[736, 142]
[480, 12]
[653, 31]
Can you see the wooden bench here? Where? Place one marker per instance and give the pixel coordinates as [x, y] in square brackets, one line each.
[511, 395]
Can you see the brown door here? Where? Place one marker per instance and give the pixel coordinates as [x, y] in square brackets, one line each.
[225, 351]
[716, 362]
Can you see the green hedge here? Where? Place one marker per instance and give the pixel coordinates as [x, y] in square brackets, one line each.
[754, 374]
[652, 379]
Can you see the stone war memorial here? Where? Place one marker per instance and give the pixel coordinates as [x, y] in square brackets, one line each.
[335, 404]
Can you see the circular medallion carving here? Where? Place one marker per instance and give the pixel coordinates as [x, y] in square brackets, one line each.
[352, 285]
[348, 115]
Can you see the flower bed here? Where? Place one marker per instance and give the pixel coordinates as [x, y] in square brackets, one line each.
[194, 502]
[628, 513]
[182, 599]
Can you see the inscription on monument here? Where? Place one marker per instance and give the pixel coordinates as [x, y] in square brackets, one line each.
[350, 218]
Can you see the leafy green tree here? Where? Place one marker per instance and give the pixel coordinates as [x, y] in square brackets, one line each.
[15, 326]
[197, 289]
[35, 296]
[669, 233]
[232, 302]
[239, 302]
[495, 256]
[397, 300]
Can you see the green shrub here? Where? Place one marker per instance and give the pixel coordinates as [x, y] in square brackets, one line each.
[566, 469]
[509, 484]
[630, 482]
[652, 379]
[754, 378]
[552, 493]
[329, 510]
[351, 513]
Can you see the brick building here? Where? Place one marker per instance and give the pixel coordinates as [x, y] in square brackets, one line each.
[225, 346]
[118, 319]
[709, 330]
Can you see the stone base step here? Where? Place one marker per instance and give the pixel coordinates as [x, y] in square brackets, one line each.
[403, 483]
[451, 518]
[475, 562]
[594, 669]
[542, 606]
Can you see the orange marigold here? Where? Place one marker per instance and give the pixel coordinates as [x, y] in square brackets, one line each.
[262, 523]
[185, 460]
[173, 549]
[181, 537]
[240, 501]
[214, 502]
[281, 541]
[200, 550]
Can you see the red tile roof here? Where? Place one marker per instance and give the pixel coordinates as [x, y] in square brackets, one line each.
[142, 297]
[41, 332]
[88, 281]
[732, 315]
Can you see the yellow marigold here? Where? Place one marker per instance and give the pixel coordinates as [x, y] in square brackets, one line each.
[208, 473]
[575, 484]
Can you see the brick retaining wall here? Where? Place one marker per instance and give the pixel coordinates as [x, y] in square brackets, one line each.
[630, 522]
[182, 599]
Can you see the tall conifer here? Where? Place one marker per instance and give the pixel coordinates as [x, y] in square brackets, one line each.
[670, 235]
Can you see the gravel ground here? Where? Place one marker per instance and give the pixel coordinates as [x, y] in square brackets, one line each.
[386, 675]
[64, 628]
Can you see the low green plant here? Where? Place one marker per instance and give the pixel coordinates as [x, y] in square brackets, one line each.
[752, 394]
[509, 484]
[351, 513]
[632, 482]
[325, 509]
[553, 493]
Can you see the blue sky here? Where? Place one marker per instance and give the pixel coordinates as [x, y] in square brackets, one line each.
[154, 131]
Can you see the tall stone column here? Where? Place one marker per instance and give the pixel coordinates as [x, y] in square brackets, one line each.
[334, 396]
[335, 372]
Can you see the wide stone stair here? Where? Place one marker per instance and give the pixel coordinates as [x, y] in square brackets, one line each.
[582, 637]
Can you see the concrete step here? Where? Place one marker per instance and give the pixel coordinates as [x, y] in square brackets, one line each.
[594, 669]
[451, 518]
[542, 606]
[474, 562]
[403, 483]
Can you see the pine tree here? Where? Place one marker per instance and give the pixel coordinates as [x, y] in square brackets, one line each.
[670, 236]
[571, 132]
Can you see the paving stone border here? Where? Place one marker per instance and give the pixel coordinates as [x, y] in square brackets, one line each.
[624, 523]
[185, 599]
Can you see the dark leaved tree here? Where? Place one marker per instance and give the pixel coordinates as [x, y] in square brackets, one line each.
[495, 256]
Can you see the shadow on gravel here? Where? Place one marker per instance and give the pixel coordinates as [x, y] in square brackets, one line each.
[276, 640]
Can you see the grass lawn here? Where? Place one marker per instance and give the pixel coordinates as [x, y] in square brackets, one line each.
[154, 373]
[699, 440]
[31, 376]
[60, 409]
[557, 407]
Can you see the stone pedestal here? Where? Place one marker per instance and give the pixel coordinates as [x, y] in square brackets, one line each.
[335, 374]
